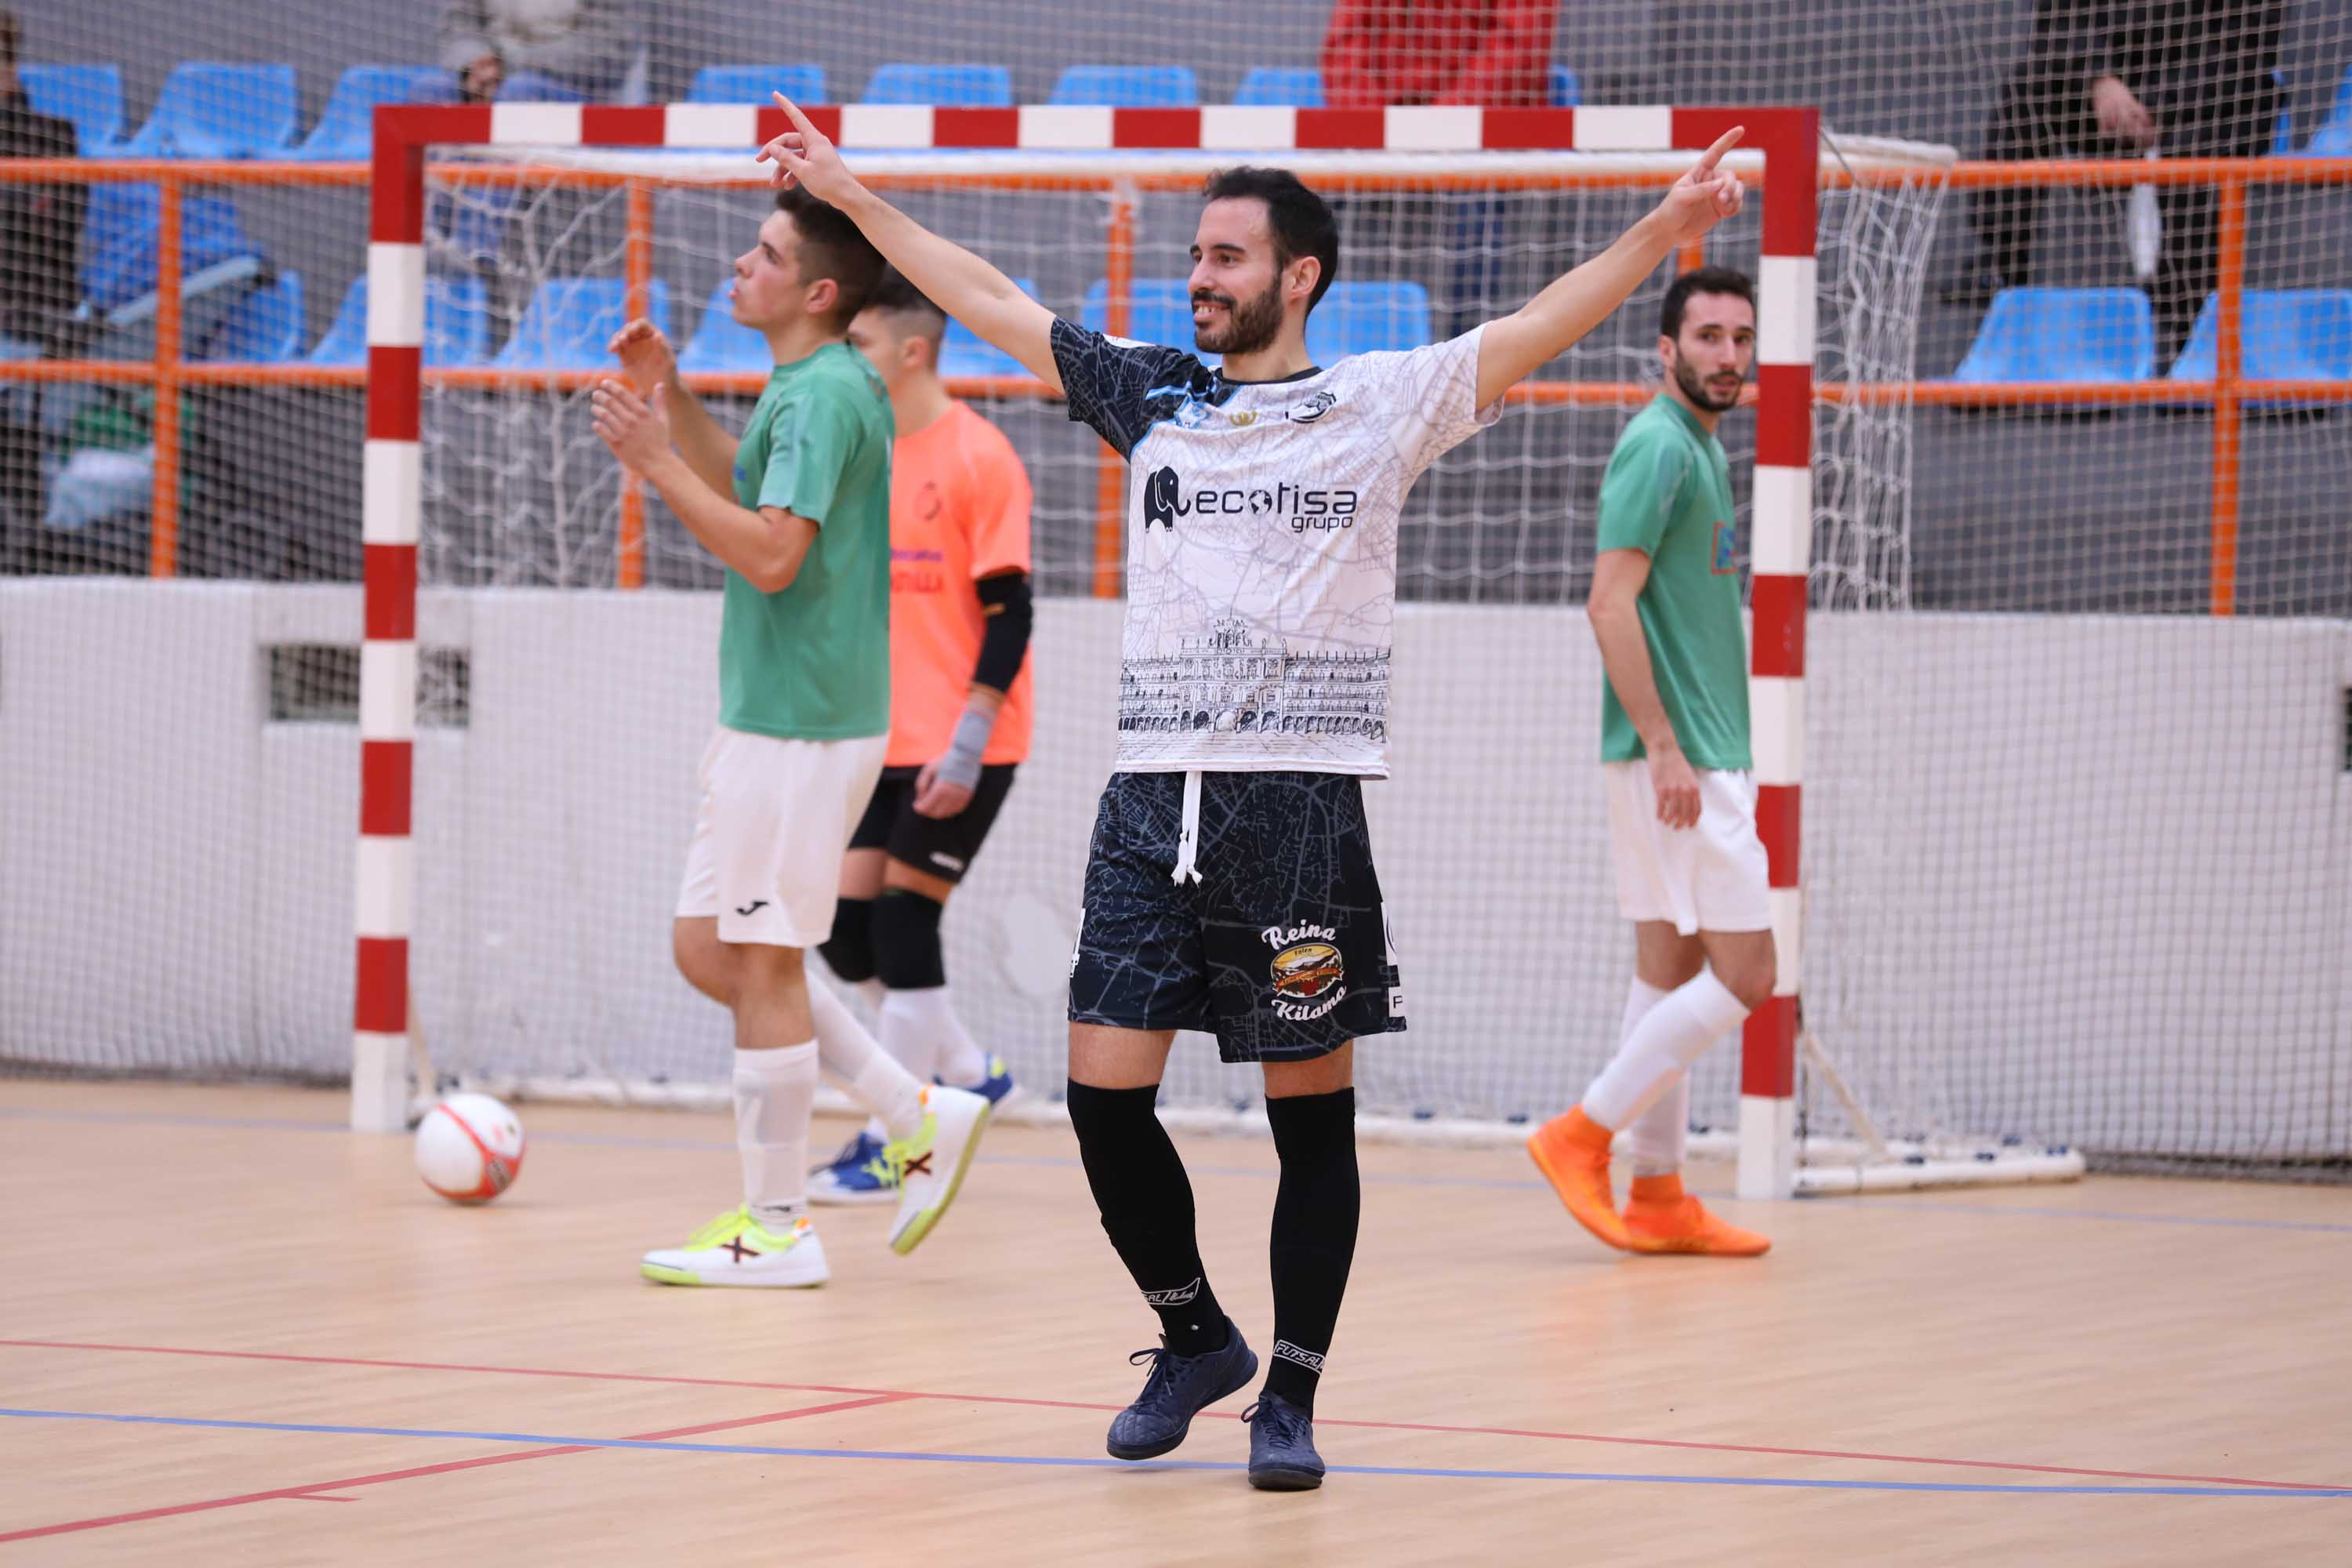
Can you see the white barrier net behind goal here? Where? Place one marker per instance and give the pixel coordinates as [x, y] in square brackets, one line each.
[550, 830]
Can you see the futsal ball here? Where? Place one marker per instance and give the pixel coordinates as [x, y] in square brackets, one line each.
[470, 1148]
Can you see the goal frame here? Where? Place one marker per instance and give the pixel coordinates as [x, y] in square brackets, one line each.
[392, 513]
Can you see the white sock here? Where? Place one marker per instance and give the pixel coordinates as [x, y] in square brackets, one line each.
[914, 1027]
[875, 1079]
[1658, 1134]
[961, 1062]
[1674, 1034]
[773, 1092]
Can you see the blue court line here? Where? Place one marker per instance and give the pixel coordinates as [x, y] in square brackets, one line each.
[1062, 1162]
[541, 1439]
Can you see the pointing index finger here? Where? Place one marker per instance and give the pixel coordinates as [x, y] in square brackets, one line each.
[800, 121]
[1722, 143]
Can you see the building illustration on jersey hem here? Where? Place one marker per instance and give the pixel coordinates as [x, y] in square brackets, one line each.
[1229, 681]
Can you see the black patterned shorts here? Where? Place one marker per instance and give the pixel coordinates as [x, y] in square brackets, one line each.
[1280, 950]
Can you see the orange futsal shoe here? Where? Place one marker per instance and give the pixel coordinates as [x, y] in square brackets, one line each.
[1572, 1151]
[1661, 1217]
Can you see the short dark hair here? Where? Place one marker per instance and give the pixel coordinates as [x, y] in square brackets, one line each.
[895, 294]
[1701, 281]
[1301, 220]
[832, 246]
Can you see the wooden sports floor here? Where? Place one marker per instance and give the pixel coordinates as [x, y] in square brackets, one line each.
[232, 1333]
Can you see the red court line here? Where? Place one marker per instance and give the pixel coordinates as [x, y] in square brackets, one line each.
[307, 1492]
[1083, 1404]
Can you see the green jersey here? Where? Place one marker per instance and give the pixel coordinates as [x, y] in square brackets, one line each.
[1667, 493]
[812, 661]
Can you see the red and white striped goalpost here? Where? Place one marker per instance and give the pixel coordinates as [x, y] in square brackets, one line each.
[393, 501]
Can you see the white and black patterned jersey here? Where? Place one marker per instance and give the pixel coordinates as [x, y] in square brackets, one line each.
[1262, 544]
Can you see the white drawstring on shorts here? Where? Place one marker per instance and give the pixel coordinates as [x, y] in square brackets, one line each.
[1188, 843]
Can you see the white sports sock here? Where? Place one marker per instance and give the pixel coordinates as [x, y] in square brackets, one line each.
[961, 1061]
[1674, 1034]
[773, 1092]
[1658, 1135]
[875, 1079]
[914, 1027]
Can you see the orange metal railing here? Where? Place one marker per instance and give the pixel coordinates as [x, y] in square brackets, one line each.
[170, 372]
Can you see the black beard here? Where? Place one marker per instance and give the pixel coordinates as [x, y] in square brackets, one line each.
[1695, 390]
[1247, 328]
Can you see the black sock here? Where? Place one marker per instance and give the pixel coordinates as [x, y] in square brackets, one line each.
[1146, 1201]
[1313, 1240]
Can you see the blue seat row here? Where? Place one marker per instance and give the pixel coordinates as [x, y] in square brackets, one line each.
[569, 321]
[212, 109]
[2109, 334]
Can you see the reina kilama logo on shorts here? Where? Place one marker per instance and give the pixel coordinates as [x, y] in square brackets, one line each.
[1309, 977]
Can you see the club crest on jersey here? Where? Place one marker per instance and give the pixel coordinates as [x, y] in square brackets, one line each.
[1241, 417]
[1312, 409]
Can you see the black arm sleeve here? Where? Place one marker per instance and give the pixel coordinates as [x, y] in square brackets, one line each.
[1004, 639]
[1122, 388]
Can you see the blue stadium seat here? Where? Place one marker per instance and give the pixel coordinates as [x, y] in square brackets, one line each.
[1128, 87]
[1160, 311]
[1567, 87]
[120, 235]
[2287, 334]
[346, 129]
[570, 319]
[264, 327]
[1282, 84]
[753, 84]
[2063, 334]
[962, 354]
[720, 343]
[212, 109]
[2334, 137]
[976, 86]
[456, 327]
[89, 95]
[1360, 318]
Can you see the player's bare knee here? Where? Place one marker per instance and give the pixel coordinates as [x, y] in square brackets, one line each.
[1319, 1075]
[1750, 979]
[701, 958]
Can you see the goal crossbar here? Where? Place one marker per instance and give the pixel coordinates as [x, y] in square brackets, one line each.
[1779, 138]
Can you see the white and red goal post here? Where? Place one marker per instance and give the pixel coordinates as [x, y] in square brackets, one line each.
[1786, 139]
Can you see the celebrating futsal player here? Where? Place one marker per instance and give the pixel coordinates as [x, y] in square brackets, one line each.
[1229, 886]
[1682, 802]
[799, 512]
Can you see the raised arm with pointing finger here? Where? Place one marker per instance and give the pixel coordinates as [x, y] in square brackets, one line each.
[974, 293]
[963, 285]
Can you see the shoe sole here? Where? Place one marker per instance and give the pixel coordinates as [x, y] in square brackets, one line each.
[1249, 1370]
[846, 1200]
[1560, 1190]
[925, 1222]
[663, 1274]
[1284, 1479]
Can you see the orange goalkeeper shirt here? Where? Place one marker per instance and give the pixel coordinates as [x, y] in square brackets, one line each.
[959, 511]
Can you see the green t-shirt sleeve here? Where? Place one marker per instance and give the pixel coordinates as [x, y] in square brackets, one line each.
[813, 441]
[1638, 492]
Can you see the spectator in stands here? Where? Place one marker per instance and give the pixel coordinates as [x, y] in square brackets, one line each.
[575, 50]
[40, 228]
[1492, 53]
[2113, 79]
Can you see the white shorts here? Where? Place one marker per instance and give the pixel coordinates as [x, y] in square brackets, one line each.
[776, 818]
[1712, 877]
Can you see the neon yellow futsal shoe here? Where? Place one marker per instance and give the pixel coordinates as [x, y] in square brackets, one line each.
[930, 1165]
[737, 1249]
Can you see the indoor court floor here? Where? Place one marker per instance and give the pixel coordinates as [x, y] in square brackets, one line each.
[231, 1332]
